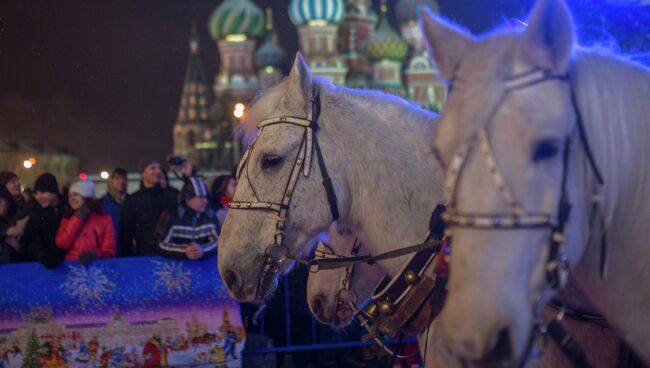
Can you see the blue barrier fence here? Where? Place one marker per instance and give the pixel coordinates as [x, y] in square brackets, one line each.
[148, 311]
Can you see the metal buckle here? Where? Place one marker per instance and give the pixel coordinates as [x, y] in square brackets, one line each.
[277, 253]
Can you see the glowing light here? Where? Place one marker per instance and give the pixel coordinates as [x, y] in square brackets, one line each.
[269, 69]
[317, 22]
[27, 164]
[238, 37]
[104, 175]
[83, 176]
[239, 110]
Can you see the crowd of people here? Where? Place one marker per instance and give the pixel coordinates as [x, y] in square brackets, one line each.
[47, 225]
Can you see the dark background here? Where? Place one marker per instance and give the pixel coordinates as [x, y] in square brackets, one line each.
[104, 78]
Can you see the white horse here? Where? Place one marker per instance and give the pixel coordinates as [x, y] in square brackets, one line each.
[355, 129]
[324, 287]
[601, 345]
[510, 140]
[374, 146]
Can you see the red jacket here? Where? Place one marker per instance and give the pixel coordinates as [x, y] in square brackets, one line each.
[77, 236]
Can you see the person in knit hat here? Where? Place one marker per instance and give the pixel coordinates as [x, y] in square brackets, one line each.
[115, 196]
[85, 233]
[190, 231]
[141, 210]
[43, 223]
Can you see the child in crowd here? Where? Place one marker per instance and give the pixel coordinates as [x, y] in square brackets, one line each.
[192, 230]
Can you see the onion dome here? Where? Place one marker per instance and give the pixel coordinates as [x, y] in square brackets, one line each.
[312, 11]
[236, 17]
[270, 53]
[407, 10]
[385, 43]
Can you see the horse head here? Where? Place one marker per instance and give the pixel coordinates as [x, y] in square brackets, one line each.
[505, 139]
[329, 292]
[281, 201]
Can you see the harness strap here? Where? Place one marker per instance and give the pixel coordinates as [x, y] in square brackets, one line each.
[327, 181]
[569, 347]
[579, 315]
[315, 265]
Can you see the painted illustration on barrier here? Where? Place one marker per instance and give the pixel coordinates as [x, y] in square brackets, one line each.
[145, 312]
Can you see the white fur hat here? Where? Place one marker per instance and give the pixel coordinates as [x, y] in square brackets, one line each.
[85, 188]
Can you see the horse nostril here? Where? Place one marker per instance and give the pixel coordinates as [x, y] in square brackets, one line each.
[231, 279]
[501, 348]
[316, 305]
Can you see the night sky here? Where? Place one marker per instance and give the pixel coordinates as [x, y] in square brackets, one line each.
[103, 78]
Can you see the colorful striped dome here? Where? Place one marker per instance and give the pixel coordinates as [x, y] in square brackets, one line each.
[407, 10]
[236, 17]
[385, 43]
[303, 11]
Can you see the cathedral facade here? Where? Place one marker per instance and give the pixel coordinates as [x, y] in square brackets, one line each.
[348, 42]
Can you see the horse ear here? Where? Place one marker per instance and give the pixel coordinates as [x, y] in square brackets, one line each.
[299, 82]
[446, 43]
[548, 40]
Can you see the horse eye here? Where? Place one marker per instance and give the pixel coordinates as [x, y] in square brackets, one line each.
[270, 161]
[545, 149]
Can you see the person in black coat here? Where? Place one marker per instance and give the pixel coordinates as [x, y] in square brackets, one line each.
[141, 211]
[43, 223]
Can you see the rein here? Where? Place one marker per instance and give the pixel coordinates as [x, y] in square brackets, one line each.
[557, 266]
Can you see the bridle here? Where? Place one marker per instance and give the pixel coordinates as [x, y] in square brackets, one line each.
[518, 218]
[345, 295]
[278, 252]
[557, 266]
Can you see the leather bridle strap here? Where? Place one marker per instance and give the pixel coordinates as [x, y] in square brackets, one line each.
[569, 347]
[315, 265]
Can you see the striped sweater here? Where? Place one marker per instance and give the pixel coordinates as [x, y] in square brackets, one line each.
[177, 230]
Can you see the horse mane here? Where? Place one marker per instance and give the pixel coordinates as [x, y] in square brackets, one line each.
[364, 104]
[612, 93]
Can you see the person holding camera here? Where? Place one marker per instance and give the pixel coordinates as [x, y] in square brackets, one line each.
[191, 230]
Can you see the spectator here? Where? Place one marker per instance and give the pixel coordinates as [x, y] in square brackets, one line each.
[86, 233]
[9, 245]
[190, 231]
[43, 223]
[142, 209]
[10, 181]
[114, 198]
[222, 190]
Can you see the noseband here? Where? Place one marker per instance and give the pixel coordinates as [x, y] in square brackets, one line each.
[278, 252]
[557, 266]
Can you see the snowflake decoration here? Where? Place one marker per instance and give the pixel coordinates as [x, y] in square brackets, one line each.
[173, 277]
[88, 283]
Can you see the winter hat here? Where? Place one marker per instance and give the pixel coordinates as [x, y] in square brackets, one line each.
[6, 177]
[146, 161]
[46, 183]
[194, 187]
[84, 188]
